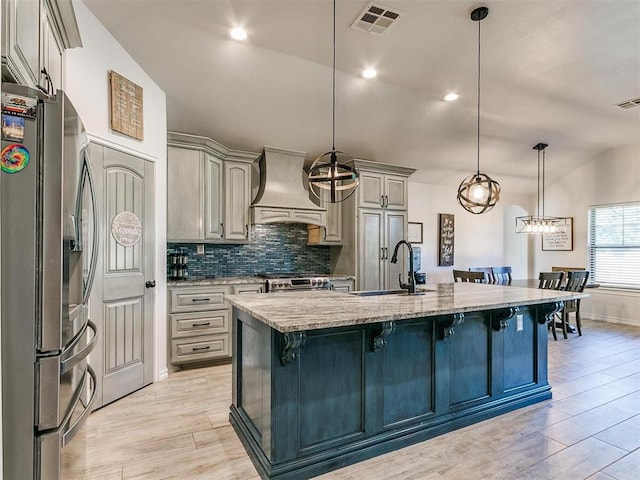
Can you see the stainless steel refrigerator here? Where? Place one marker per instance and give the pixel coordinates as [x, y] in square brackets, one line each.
[48, 248]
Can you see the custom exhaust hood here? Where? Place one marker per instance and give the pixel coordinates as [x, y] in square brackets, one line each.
[282, 196]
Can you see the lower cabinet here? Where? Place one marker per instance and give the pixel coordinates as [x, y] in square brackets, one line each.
[200, 321]
[342, 285]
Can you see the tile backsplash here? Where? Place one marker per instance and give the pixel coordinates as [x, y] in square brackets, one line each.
[274, 248]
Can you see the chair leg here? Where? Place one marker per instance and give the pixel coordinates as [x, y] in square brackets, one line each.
[578, 322]
[553, 327]
[565, 319]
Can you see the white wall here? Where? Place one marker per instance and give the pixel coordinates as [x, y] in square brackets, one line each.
[86, 82]
[613, 177]
[479, 239]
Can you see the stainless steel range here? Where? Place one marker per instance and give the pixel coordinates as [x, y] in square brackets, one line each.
[283, 282]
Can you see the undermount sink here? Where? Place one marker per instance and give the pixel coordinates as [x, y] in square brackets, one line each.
[376, 293]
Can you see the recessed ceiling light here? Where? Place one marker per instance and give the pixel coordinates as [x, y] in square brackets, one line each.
[451, 97]
[369, 73]
[238, 33]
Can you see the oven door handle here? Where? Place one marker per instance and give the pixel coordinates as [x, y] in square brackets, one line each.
[71, 430]
[68, 360]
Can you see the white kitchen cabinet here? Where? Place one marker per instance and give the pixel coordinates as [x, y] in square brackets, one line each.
[249, 288]
[208, 191]
[237, 194]
[331, 234]
[214, 174]
[35, 33]
[51, 60]
[379, 190]
[21, 40]
[378, 233]
[199, 324]
[342, 285]
[374, 220]
[185, 191]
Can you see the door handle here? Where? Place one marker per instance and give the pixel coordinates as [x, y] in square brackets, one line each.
[150, 284]
[382, 201]
[222, 230]
[246, 231]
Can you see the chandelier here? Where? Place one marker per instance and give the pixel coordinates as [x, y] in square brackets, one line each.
[333, 172]
[478, 193]
[540, 223]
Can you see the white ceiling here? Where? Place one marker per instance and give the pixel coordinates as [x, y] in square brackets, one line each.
[552, 71]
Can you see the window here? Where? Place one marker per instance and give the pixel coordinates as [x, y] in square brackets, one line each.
[614, 245]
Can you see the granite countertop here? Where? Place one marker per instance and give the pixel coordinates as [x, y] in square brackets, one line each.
[204, 281]
[295, 311]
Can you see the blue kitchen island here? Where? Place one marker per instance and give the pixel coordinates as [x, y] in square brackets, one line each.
[324, 379]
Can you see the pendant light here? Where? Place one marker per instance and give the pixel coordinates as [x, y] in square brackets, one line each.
[539, 223]
[478, 193]
[334, 172]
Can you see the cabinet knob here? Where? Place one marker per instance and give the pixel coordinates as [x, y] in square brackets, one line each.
[150, 284]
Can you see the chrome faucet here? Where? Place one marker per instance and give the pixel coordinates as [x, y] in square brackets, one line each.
[411, 285]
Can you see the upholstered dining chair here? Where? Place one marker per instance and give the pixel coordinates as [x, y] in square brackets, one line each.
[488, 276]
[465, 276]
[576, 281]
[551, 281]
[501, 275]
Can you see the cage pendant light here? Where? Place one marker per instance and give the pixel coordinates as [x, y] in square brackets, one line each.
[540, 223]
[333, 176]
[478, 193]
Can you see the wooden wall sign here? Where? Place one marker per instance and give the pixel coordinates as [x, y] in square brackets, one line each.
[126, 106]
[559, 241]
[446, 230]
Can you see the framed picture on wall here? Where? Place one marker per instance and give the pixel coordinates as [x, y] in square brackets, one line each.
[446, 231]
[414, 232]
[559, 241]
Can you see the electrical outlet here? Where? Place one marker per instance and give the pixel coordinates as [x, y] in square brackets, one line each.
[200, 249]
[519, 323]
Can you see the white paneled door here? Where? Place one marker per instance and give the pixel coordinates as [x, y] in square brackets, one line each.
[123, 297]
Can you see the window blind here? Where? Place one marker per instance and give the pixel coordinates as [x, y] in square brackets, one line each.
[614, 245]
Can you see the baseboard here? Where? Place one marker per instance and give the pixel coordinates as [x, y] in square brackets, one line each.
[162, 375]
[609, 319]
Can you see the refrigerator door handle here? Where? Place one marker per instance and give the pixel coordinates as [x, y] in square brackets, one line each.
[71, 430]
[68, 360]
[86, 175]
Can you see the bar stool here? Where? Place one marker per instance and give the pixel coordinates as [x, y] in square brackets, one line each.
[465, 276]
[501, 275]
[551, 281]
[576, 281]
[488, 275]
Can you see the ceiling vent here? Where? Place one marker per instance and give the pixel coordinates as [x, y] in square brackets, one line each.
[376, 19]
[630, 104]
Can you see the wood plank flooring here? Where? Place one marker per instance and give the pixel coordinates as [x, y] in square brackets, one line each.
[179, 428]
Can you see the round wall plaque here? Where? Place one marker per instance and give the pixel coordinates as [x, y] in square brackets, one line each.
[126, 228]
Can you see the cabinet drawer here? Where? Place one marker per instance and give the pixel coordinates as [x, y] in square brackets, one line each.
[199, 348]
[204, 323]
[249, 288]
[198, 299]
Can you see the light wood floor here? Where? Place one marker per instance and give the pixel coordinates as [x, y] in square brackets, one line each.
[179, 428]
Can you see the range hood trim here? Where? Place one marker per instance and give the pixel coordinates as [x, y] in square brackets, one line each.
[282, 196]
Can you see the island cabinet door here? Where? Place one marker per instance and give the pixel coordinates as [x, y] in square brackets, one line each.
[320, 402]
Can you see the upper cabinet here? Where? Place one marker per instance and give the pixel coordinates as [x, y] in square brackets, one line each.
[208, 191]
[381, 190]
[374, 220]
[34, 35]
[331, 234]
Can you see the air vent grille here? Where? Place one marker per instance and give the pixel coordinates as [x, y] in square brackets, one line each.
[376, 18]
[630, 103]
